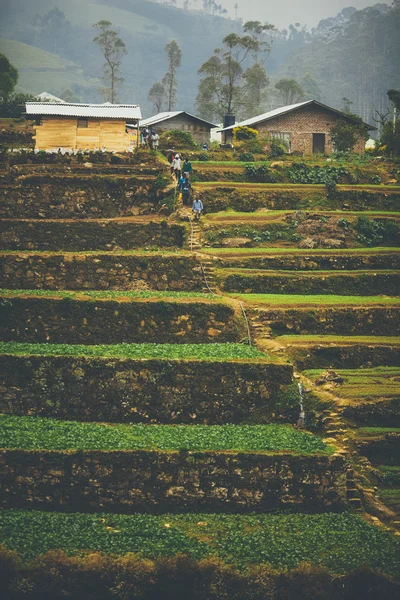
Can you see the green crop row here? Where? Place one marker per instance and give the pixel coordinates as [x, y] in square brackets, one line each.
[41, 433]
[340, 542]
[212, 352]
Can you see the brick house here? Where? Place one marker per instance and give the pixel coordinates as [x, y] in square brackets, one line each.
[183, 121]
[304, 127]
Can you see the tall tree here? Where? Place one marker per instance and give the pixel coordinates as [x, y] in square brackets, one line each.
[8, 79]
[290, 91]
[113, 50]
[220, 90]
[157, 95]
[169, 82]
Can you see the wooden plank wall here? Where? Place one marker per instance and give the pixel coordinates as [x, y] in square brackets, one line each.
[63, 132]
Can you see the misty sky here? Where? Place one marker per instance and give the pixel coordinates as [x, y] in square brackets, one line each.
[283, 12]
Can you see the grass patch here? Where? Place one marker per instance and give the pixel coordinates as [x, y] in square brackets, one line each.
[270, 214]
[271, 251]
[312, 340]
[31, 433]
[278, 300]
[214, 352]
[104, 294]
[378, 382]
[340, 542]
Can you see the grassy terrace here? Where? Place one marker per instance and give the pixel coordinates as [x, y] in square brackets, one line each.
[291, 186]
[339, 542]
[108, 294]
[312, 340]
[279, 300]
[213, 352]
[277, 215]
[31, 433]
[246, 252]
[378, 382]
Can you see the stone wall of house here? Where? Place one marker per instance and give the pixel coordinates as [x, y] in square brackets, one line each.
[68, 321]
[147, 391]
[146, 481]
[301, 124]
[199, 131]
[111, 271]
[89, 234]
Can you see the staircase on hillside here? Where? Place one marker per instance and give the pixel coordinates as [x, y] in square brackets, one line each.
[195, 235]
[208, 272]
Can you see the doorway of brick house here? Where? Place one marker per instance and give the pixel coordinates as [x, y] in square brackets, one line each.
[318, 146]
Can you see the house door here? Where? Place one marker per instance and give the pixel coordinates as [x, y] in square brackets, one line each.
[318, 143]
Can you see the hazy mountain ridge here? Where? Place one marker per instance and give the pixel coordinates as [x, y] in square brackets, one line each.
[330, 53]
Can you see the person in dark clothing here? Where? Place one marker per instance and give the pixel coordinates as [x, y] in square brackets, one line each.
[186, 185]
[187, 167]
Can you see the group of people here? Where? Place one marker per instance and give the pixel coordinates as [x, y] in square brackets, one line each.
[181, 172]
[149, 138]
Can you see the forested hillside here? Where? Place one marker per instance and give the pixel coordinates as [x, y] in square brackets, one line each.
[354, 54]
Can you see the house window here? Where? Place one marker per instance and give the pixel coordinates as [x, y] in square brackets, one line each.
[283, 137]
[83, 123]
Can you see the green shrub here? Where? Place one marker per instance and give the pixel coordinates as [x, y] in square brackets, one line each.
[177, 139]
[244, 133]
[204, 157]
[374, 232]
[303, 173]
[277, 150]
[246, 157]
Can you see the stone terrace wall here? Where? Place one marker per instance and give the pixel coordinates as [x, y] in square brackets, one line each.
[357, 320]
[78, 197]
[314, 262]
[79, 236]
[127, 390]
[248, 200]
[100, 272]
[148, 481]
[344, 356]
[353, 284]
[110, 322]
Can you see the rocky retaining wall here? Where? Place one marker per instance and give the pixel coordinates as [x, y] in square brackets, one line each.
[100, 272]
[44, 196]
[355, 320]
[344, 356]
[89, 235]
[248, 200]
[127, 390]
[349, 284]
[67, 321]
[335, 261]
[146, 481]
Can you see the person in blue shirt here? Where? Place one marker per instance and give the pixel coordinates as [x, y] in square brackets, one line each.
[197, 208]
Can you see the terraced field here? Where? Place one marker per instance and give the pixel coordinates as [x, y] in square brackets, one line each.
[163, 394]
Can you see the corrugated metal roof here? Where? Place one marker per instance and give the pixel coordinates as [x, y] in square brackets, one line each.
[49, 97]
[100, 111]
[164, 116]
[283, 110]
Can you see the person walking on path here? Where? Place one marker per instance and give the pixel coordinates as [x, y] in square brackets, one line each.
[155, 138]
[170, 158]
[187, 167]
[197, 208]
[185, 188]
[177, 167]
